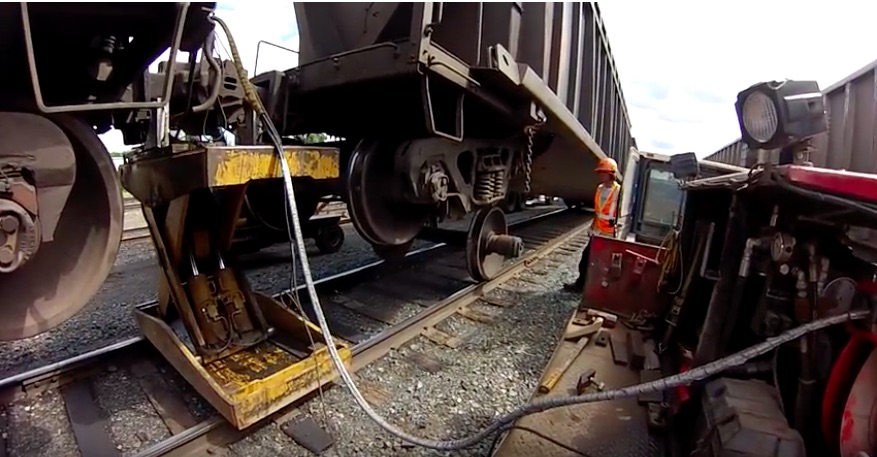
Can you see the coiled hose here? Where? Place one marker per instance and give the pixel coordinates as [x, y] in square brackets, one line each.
[670, 382]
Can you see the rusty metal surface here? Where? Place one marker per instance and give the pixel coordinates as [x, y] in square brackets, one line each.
[63, 275]
[606, 429]
[161, 179]
[851, 105]
[556, 55]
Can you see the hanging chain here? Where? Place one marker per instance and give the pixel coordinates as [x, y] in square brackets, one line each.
[530, 131]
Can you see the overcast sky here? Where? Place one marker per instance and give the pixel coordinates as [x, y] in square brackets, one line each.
[681, 64]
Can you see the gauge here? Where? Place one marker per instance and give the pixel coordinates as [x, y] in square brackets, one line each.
[841, 290]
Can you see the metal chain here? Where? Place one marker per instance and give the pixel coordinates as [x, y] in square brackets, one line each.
[530, 131]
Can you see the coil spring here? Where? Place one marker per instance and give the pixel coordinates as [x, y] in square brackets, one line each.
[108, 44]
[498, 183]
[489, 185]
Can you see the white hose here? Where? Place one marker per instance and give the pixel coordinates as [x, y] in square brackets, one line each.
[670, 382]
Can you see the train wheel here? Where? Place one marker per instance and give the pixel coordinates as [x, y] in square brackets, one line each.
[330, 239]
[64, 273]
[488, 244]
[392, 253]
[373, 202]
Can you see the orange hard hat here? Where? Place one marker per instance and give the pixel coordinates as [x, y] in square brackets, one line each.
[607, 165]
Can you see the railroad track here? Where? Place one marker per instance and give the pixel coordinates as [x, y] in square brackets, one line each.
[375, 308]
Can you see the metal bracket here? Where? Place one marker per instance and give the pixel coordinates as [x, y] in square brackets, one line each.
[429, 113]
[182, 11]
[259, 48]
[639, 266]
[615, 265]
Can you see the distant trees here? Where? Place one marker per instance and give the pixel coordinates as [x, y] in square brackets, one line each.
[313, 138]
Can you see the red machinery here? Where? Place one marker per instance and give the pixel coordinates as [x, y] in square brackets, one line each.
[763, 251]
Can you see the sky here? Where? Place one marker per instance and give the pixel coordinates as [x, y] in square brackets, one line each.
[681, 64]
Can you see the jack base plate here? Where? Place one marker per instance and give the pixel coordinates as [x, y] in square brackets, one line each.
[257, 381]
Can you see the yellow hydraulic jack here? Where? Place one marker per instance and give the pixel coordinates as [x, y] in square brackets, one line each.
[246, 353]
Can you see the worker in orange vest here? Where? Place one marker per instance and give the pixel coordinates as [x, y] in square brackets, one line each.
[605, 209]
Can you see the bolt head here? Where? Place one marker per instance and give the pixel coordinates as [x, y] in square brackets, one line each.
[7, 255]
[8, 223]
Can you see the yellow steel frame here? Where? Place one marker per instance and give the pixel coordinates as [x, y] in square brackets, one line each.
[244, 383]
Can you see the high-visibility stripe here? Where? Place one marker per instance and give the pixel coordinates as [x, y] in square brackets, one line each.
[605, 208]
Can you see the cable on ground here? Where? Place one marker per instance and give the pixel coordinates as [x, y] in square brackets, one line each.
[670, 382]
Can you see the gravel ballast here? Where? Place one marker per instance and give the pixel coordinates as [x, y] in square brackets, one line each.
[108, 317]
[494, 371]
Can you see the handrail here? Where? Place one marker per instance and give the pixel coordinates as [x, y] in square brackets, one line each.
[182, 12]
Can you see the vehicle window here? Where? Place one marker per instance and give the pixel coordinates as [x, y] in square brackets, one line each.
[662, 198]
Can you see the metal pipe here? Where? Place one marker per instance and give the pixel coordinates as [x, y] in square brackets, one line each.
[217, 83]
[182, 12]
[720, 311]
[259, 48]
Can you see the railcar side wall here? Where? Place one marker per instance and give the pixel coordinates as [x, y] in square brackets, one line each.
[849, 144]
[565, 43]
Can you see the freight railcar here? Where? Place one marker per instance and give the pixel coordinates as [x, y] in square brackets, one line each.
[69, 71]
[447, 107]
[444, 109]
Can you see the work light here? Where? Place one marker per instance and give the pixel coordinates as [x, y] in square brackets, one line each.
[774, 114]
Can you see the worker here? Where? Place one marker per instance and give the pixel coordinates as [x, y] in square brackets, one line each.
[605, 208]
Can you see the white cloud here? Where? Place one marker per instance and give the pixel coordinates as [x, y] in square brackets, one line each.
[249, 22]
[699, 55]
[681, 64]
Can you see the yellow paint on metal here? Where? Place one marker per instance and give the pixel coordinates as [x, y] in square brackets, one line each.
[235, 166]
[253, 383]
[269, 379]
[258, 380]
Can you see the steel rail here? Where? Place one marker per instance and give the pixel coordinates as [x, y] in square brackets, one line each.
[367, 351]
[77, 361]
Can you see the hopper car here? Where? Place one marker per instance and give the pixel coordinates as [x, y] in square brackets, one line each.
[453, 108]
[444, 109]
[441, 109]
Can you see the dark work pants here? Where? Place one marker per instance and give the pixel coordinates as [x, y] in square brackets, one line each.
[583, 266]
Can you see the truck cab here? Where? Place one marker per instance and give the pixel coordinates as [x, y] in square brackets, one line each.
[651, 196]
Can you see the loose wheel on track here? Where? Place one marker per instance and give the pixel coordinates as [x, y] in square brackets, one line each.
[330, 238]
[488, 244]
[392, 253]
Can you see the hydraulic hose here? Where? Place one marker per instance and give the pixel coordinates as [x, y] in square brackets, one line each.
[670, 382]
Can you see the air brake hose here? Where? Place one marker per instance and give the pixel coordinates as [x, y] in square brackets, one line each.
[695, 374]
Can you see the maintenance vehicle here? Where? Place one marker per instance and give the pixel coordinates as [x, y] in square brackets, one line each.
[749, 329]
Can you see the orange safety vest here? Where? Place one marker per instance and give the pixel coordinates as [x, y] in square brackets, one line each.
[605, 210]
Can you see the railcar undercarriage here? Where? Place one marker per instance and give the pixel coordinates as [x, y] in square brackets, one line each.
[739, 352]
[66, 70]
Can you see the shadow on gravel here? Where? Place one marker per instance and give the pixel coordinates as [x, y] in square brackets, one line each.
[25, 438]
[545, 309]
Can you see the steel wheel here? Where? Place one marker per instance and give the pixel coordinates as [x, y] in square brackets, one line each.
[65, 273]
[482, 265]
[330, 239]
[392, 253]
[372, 198]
